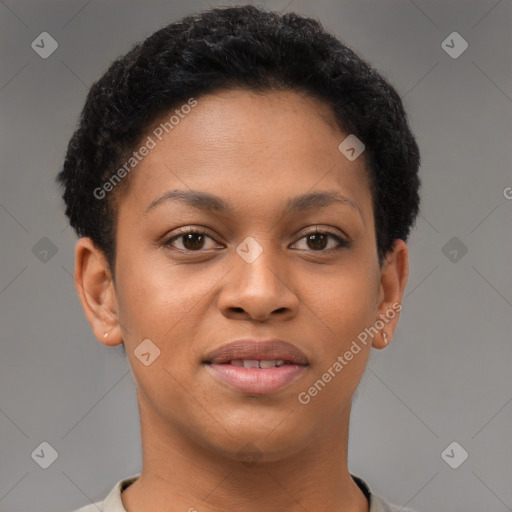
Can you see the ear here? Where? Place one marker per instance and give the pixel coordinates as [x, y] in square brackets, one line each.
[393, 279]
[95, 287]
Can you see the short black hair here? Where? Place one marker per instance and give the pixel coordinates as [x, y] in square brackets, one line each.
[243, 47]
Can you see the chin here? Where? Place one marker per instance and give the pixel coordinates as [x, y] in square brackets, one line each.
[260, 441]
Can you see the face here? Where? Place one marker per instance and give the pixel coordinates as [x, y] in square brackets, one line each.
[257, 263]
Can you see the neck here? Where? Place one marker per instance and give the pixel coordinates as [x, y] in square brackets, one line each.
[180, 474]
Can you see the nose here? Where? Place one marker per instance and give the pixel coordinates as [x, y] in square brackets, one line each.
[260, 289]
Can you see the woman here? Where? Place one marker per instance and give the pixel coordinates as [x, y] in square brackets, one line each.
[243, 186]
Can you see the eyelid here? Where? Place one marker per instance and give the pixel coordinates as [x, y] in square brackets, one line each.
[324, 229]
[196, 230]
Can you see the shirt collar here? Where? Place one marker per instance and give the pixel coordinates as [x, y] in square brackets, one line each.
[113, 502]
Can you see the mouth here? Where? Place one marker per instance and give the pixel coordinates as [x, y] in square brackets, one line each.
[257, 367]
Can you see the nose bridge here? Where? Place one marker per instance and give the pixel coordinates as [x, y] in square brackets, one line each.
[259, 262]
[258, 283]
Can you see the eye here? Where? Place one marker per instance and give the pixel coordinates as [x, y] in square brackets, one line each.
[192, 239]
[317, 241]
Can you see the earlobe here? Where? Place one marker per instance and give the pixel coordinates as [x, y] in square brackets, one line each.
[94, 284]
[393, 280]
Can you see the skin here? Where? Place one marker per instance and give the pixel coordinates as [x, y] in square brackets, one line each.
[255, 151]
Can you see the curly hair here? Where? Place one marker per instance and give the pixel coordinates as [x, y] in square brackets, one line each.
[251, 48]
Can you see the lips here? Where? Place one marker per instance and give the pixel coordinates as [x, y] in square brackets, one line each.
[256, 367]
[246, 352]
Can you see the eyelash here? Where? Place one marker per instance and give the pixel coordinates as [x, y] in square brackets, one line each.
[342, 244]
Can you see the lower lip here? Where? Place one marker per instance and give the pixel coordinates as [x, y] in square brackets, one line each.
[256, 381]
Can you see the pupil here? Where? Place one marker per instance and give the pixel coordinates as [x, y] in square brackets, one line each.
[190, 238]
[316, 245]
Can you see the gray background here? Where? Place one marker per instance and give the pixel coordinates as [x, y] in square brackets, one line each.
[446, 376]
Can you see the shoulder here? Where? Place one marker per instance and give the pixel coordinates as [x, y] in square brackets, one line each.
[113, 502]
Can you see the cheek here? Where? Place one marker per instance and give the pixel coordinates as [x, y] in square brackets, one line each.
[156, 298]
[165, 304]
[343, 308]
[346, 303]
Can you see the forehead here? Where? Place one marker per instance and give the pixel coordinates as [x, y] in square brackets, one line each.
[247, 147]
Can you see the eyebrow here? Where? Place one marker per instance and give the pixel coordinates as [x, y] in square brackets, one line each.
[211, 202]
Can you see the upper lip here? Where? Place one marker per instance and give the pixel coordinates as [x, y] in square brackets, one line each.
[254, 349]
